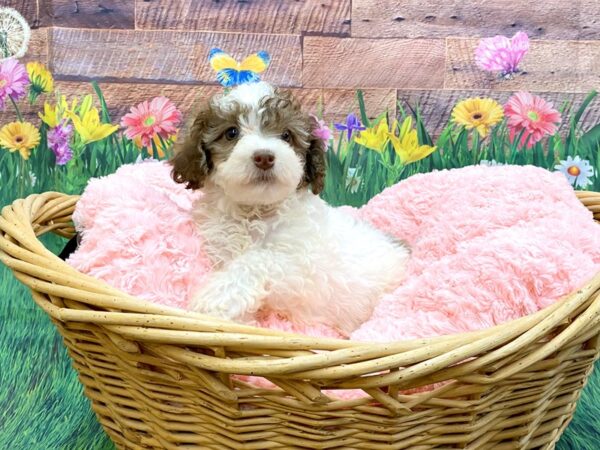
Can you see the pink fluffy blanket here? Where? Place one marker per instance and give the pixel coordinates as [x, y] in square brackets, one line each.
[489, 244]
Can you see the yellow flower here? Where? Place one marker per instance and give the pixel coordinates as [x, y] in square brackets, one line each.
[50, 116]
[406, 145]
[161, 145]
[41, 80]
[375, 138]
[85, 106]
[53, 115]
[21, 136]
[89, 128]
[478, 113]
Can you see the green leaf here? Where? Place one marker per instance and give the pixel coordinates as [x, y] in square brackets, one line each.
[550, 161]
[104, 107]
[591, 139]
[422, 133]
[583, 107]
[362, 108]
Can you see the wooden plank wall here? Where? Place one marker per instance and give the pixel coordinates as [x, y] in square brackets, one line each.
[396, 50]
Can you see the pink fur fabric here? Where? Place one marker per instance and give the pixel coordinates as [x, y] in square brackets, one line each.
[489, 244]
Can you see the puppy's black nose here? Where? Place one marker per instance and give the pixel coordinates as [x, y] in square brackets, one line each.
[263, 160]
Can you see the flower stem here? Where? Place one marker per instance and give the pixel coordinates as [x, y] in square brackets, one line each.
[21, 176]
[19, 116]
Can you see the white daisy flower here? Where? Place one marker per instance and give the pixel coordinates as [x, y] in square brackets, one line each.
[352, 181]
[578, 171]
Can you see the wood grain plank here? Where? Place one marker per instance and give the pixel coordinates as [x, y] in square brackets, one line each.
[373, 63]
[436, 106]
[567, 66]
[165, 56]
[34, 11]
[38, 46]
[93, 13]
[556, 19]
[339, 103]
[331, 17]
[589, 19]
[333, 105]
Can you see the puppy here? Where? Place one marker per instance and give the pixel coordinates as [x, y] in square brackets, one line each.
[273, 242]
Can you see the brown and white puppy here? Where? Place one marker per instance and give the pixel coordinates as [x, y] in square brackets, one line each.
[273, 242]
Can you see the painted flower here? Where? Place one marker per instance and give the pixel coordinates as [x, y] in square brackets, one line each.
[352, 124]
[88, 126]
[58, 142]
[478, 113]
[41, 80]
[501, 54]
[578, 171]
[406, 144]
[353, 181]
[531, 115]
[159, 117]
[19, 136]
[161, 145]
[321, 131]
[377, 137]
[14, 32]
[61, 111]
[13, 81]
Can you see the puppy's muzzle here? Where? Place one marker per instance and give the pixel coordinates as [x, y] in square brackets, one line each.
[263, 160]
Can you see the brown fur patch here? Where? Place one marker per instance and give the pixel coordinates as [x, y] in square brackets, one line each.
[281, 112]
[205, 145]
[191, 163]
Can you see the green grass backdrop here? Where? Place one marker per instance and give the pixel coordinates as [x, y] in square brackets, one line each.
[41, 402]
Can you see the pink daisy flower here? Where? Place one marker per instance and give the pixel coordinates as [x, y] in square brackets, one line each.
[532, 114]
[501, 54]
[159, 117]
[13, 80]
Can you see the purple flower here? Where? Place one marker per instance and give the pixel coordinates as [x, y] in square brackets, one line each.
[352, 124]
[13, 80]
[321, 131]
[501, 54]
[58, 142]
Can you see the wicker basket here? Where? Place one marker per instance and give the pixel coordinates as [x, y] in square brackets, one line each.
[161, 378]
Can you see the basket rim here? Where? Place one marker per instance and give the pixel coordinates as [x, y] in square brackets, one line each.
[20, 249]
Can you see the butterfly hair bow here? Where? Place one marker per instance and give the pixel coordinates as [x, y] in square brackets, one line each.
[232, 73]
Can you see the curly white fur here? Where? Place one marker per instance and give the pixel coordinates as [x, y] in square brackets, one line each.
[302, 258]
[278, 246]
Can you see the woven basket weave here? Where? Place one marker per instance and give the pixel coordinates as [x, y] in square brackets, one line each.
[161, 378]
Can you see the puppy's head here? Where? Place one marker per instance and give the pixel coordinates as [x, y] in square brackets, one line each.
[255, 144]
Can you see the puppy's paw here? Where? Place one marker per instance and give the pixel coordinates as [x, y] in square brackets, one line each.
[225, 297]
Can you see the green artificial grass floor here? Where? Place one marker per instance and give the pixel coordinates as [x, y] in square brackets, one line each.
[42, 406]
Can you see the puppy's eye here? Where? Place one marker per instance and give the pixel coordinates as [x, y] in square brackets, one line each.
[286, 136]
[232, 133]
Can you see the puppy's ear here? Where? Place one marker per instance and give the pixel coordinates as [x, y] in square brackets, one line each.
[191, 163]
[315, 166]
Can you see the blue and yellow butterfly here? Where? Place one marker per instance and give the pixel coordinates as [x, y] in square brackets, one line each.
[231, 73]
